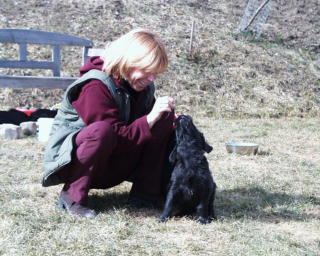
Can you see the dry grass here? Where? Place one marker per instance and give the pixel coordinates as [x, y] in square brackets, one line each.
[227, 76]
[268, 204]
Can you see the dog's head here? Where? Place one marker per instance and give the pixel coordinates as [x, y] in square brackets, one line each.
[187, 132]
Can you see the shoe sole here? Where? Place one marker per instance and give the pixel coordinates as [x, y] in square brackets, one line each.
[63, 206]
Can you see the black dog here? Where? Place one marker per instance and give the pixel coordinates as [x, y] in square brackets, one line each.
[191, 188]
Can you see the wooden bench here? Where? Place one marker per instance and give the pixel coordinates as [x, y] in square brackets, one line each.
[55, 40]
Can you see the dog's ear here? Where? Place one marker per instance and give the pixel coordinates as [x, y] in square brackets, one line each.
[206, 147]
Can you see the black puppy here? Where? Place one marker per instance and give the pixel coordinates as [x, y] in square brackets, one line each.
[191, 188]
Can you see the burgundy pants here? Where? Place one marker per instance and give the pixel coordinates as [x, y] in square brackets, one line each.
[96, 164]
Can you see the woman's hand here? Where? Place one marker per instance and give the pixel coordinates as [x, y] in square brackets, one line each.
[162, 104]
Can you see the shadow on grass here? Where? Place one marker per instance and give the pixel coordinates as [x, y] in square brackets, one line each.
[109, 200]
[264, 153]
[254, 203]
[258, 203]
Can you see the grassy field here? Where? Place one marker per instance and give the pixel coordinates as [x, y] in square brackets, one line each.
[227, 75]
[268, 204]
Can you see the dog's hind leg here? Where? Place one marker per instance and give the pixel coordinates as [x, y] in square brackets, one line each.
[202, 212]
[212, 212]
[168, 207]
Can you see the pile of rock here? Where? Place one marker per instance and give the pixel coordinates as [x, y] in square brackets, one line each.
[13, 132]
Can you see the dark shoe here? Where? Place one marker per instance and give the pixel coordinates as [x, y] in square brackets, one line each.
[145, 201]
[66, 203]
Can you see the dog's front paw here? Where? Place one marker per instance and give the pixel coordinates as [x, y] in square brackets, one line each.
[163, 218]
[203, 220]
[213, 217]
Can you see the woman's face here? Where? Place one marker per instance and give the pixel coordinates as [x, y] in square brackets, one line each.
[139, 79]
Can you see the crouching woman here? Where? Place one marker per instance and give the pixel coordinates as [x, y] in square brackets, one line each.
[110, 128]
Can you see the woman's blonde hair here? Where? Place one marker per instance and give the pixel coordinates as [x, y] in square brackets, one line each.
[138, 49]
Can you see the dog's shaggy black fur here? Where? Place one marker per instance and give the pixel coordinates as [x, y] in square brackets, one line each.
[191, 188]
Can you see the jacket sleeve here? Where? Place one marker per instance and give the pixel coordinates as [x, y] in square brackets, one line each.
[95, 103]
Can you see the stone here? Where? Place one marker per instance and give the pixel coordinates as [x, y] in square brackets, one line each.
[4, 126]
[11, 131]
[29, 128]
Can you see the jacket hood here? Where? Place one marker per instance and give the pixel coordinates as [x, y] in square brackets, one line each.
[96, 63]
[92, 63]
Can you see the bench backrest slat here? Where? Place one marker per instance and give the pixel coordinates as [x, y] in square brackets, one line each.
[23, 52]
[27, 64]
[41, 37]
[56, 56]
[36, 82]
